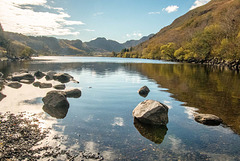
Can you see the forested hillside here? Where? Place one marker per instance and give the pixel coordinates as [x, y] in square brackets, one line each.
[208, 32]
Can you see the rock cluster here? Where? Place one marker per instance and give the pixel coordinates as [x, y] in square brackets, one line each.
[56, 103]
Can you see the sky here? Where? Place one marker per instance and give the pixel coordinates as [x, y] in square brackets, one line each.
[118, 20]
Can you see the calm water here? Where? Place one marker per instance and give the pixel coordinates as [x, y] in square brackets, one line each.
[101, 119]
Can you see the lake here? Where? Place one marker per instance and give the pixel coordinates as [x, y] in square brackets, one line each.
[101, 121]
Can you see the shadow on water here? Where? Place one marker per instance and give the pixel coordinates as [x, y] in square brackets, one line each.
[153, 133]
[210, 90]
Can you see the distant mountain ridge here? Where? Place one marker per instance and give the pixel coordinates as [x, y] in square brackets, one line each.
[52, 46]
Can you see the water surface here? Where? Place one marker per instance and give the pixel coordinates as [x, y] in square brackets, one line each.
[101, 119]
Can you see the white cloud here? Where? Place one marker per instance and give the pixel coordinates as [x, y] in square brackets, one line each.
[154, 13]
[98, 14]
[134, 35]
[16, 18]
[89, 30]
[199, 3]
[172, 8]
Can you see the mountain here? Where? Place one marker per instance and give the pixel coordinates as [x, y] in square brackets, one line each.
[102, 44]
[132, 43]
[208, 32]
[50, 45]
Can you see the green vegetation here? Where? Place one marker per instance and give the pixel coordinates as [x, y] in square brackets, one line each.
[208, 32]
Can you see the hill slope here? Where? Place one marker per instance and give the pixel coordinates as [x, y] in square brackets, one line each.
[207, 32]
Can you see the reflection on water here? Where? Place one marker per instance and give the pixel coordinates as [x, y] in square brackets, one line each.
[101, 121]
[152, 132]
[210, 90]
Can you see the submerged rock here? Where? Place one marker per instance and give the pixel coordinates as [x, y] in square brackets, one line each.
[39, 74]
[153, 133]
[74, 93]
[62, 77]
[151, 112]
[60, 86]
[45, 85]
[143, 91]
[208, 119]
[25, 76]
[15, 85]
[36, 84]
[55, 104]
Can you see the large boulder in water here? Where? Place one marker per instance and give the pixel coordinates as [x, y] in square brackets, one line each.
[25, 76]
[208, 119]
[143, 91]
[151, 112]
[55, 104]
[62, 77]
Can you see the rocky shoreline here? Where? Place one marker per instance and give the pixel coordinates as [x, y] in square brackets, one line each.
[21, 133]
[215, 62]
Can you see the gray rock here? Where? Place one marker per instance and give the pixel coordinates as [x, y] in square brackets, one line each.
[151, 112]
[25, 76]
[60, 86]
[39, 74]
[143, 91]
[74, 93]
[36, 84]
[55, 104]
[45, 85]
[15, 85]
[49, 75]
[62, 77]
[208, 119]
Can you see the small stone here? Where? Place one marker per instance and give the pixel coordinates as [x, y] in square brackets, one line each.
[15, 85]
[60, 86]
[45, 85]
[143, 91]
[26, 76]
[62, 77]
[39, 74]
[36, 84]
[208, 119]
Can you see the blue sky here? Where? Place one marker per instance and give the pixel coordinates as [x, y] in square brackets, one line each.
[119, 20]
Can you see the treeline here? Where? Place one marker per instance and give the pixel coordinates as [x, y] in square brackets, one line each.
[214, 42]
